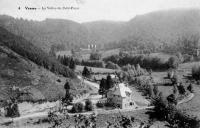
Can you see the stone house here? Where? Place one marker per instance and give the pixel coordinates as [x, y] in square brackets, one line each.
[121, 96]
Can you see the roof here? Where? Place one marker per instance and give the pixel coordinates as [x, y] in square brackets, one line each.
[121, 90]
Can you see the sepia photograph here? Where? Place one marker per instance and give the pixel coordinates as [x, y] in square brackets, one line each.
[99, 63]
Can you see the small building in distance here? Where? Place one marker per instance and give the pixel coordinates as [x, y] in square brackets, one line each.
[121, 96]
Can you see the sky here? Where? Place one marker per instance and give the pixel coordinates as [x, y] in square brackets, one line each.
[89, 10]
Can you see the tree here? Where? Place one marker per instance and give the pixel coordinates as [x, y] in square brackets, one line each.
[190, 88]
[72, 64]
[12, 104]
[151, 94]
[86, 72]
[88, 105]
[68, 97]
[181, 89]
[109, 82]
[155, 90]
[102, 87]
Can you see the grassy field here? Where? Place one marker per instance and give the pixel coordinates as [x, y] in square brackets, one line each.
[107, 53]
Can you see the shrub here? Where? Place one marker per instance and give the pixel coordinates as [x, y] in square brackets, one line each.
[173, 62]
[172, 99]
[112, 65]
[180, 57]
[78, 107]
[86, 72]
[181, 89]
[187, 58]
[196, 72]
[100, 105]
[88, 105]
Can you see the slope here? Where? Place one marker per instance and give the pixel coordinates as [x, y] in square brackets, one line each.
[33, 53]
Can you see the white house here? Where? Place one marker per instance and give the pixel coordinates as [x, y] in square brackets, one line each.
[121, 96]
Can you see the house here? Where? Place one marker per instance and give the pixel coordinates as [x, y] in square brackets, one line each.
[121, 96]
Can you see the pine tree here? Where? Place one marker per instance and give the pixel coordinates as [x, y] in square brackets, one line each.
[72, 64]
[102, 86]
[109, 82]
[68, 98]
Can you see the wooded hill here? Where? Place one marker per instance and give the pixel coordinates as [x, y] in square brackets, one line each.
[152, 28]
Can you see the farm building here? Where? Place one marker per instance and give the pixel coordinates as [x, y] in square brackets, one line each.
[121, 96]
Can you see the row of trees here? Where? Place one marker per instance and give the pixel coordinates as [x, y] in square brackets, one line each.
[145, 61]
[67, 61]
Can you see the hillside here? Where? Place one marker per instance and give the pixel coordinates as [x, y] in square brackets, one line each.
[165, 26]
[48, 32]
[155, 27]
[18, 71]
[33, 53]
[27, 66]
[21, 72]
[101, 32]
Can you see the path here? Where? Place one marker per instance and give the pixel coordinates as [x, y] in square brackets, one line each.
[45, 113]
[188, 98]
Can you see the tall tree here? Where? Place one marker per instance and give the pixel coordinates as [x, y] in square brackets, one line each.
[68, 98]
[72, 64]
[109, 82]
[102, 87]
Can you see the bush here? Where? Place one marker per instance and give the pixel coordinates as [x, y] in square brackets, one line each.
[196, 72]
[187, 58]
[112, 65]
[86, 72]
[173, 62]
[100, 105]
[180, 57]
[78, 107]
[88, 105]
